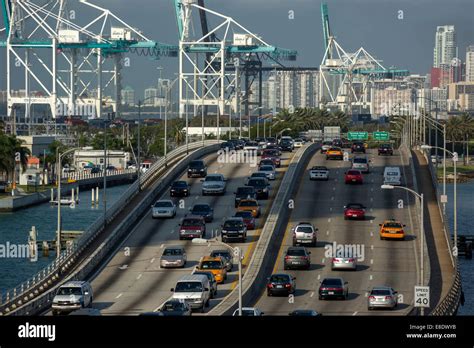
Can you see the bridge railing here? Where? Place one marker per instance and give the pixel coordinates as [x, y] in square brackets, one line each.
[450, 303]
[84, 175]
[38, 283]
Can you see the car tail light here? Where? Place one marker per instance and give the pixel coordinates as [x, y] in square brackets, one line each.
[351, 260]
[371, 297]
[305, 257]
[388, 297]
[335, 260]
[287, 257]
[287, 285]
[270, 285]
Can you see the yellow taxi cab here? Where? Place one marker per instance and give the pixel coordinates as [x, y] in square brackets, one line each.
[250, 205]
[334, 153]
[392, 229]
[215, 265]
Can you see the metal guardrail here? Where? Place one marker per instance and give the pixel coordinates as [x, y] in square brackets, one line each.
[83, 175]
[450, 303]
[41, 281]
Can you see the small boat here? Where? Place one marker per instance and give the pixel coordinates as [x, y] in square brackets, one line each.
[66, 201]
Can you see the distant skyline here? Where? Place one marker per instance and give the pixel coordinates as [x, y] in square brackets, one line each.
[406, 43]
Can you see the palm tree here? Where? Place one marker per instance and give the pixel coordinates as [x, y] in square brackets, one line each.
[454, 131]
[467, 127]
[9, 146]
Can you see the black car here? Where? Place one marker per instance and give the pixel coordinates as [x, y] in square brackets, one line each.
[337, 143]
[271, 141]
[197, 168]
[281, 284]
[238, 144]
[357, 146]
[261, 187]
[180, 189]
[228, 145]
[96, 170]
[386, 149]
[274, 147]
[226, 255]
[204, 210]
[175, 308]
[304, 313]
[286, 145]
[333, 288]
[244, 192]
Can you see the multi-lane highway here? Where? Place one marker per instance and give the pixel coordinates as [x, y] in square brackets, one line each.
[132, 282]
[385, 262]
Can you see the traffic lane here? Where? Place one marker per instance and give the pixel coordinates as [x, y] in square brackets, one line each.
[142, 250]
[144, 268]
[332, 225]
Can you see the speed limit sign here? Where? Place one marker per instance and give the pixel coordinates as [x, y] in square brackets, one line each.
[422, 296]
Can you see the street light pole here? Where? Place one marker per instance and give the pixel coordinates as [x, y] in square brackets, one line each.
[422, 231]
[139, 144]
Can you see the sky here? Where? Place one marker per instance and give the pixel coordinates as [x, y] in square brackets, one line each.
[398, 32]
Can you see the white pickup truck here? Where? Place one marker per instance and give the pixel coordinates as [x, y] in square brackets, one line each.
[319, 173]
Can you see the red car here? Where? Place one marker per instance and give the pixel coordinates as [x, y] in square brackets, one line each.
[353, 177]
[273, 155]
[192, 226]
[249, 220]
[354, 211]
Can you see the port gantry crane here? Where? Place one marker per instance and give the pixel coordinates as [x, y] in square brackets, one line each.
[345, 78]
[65, 60]
[212, 61]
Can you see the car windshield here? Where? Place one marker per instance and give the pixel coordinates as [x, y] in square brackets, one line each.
[393, 225]
[201, 207]
[392, 173]
[172, 252]
[211, 265]
[327, 143]
[70, 291]
[384, 292]
[259, 175]
[266, 168]
[354, 206]
[233, 224]
[197, 164]
[188, 287]
[244, 214]
[360, 160]
[296, 252]
[191, 222]
[248, 204]
[180, 184]
[173, 306]
[280, 278]
[332, 282]
[213, 178]
[224, 254]
[256, 182]
[245, 190]
[271, 152]
[164, 204]
[319, 168]
[248, 313]
[353, 172]
[251, 143]
[305, 229]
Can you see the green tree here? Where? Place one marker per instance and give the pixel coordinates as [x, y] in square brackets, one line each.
[9, 146]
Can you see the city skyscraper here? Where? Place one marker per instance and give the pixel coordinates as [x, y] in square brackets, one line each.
[445, 45]
[128, 96]
[470, 63]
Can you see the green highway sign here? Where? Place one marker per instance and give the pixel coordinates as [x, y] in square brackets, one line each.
[357, 135]
[381, 135]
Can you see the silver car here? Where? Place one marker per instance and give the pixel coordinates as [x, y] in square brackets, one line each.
[349, 263]
[163, 208]
[361, 163]
[172, 257]
[304, 233]
[71, 296]
[382, 297]
[269, 171]
[319, 173]
[248, 312]
[213, 184]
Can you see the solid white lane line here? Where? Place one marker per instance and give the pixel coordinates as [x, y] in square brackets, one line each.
[119, 295]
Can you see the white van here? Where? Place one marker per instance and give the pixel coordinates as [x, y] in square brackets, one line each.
[71, 296]
[392, 176]
[195, 289]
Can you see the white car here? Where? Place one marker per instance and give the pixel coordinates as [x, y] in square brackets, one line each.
[213, 184]
[319, 173]
[248, 312]
[361, 163]
[269, 171]
[252, 146]
[298, 143]
[164, 208]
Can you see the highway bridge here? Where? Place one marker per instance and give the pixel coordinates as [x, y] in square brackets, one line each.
[127, 279]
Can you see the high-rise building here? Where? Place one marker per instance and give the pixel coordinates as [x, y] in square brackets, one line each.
[461, 96]
[151, 96]
[445, 45]
[470, 63]
[128, 96]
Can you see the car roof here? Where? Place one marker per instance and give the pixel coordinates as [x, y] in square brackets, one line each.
[304, 223]
[199, 217]
[333, 278]
[211, 258]
[164, 200]
[75, 283]
[174, 247]
[296, 248]
[234, 218]
[248, 199]
[319, 167]
[193, 277]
